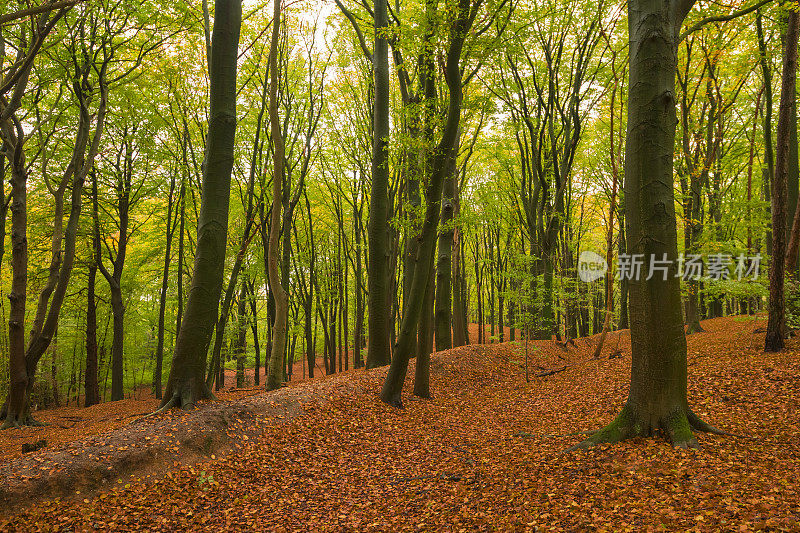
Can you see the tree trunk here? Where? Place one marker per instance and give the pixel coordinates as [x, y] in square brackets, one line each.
[275, 373]
[444, 267]
[378, 274]
[17, 408]
[460, 322]
[768, 172]
[186, 384]
[241, 339]
[776, 322]
[425, 333]
[91, 388]
[395, 378]
[254, 328]
[162, 303]
[358, 327]
[118, 343]
[657, 398]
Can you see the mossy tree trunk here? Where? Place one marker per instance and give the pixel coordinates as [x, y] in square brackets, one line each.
[657, 400]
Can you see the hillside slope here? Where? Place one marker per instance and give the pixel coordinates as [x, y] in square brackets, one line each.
[486, 453]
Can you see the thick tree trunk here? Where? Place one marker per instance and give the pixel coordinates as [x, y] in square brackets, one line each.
[444, 266]
[776, 323]
[17, 408]
[186, 385]
[378, 274]
[657, 400]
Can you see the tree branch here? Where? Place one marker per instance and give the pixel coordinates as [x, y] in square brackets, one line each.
[49, 6]
[356, 27]
[722, 18]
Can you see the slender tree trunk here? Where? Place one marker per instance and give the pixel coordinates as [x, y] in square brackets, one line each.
[91, 388]
[118, 343]
[769, 172]
[612, 213]
[395, 378]
[460, 322]
[241, 340]
[254, 327]
[162, 303]
[181, 255]
[275, 373]
[358, 328]
[425, 333]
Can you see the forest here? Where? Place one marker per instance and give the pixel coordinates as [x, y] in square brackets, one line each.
[419, 265]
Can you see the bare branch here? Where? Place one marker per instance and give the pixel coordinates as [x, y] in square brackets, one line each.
[722, 18]
[49, 6]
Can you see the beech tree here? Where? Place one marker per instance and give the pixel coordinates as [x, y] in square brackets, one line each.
[186, 384]
[657, 399]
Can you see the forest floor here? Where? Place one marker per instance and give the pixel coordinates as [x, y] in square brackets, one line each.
[486, 453]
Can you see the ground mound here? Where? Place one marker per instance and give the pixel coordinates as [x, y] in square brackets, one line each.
[486, 453]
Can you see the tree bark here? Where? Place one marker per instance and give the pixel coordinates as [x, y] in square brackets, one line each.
[657, 399]
[395, 378]
[275, 373]
[240, 349]
[16, 408]
[782, 259]
[379, 352]
[162, 303]
[91, 387]
[186, 385]
[444, 267]
[768, 172]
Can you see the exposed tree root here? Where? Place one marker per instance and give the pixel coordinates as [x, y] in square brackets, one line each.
[27, 420]
[550, 372]
[677, 426]
[185, 397]
[699, 424]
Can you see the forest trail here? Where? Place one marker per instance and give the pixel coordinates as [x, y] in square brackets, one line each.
[484, 454]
